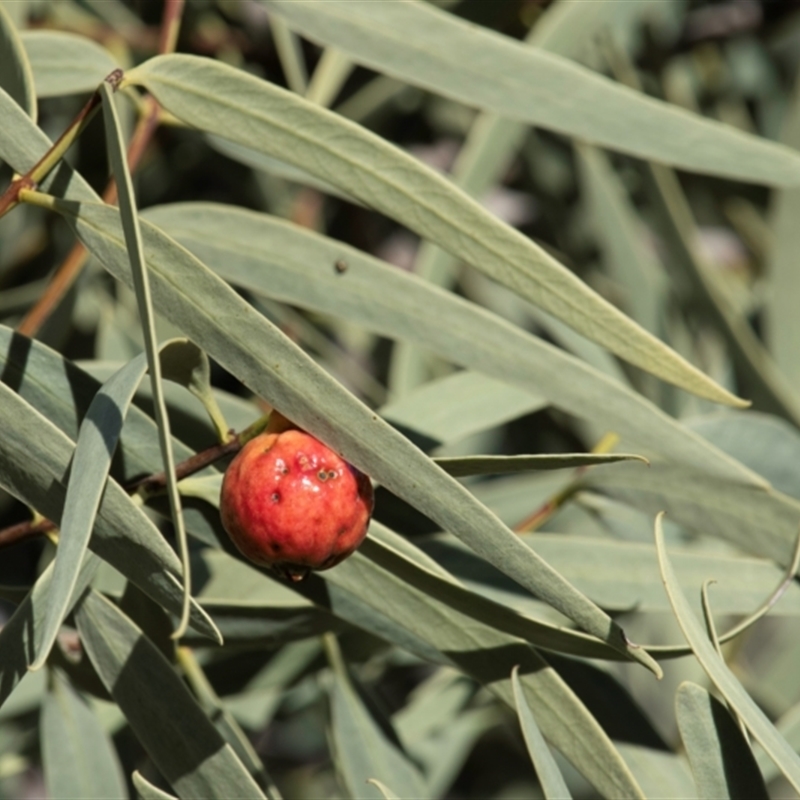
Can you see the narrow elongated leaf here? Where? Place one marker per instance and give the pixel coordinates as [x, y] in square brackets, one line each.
[290, 53]
[298, 268]
[141, 285]
[622, 237]
[18, 636]
[146, 791]
[79, 758]
[722, 763]
[179, 738]
[424, 46]
[379, 550]
[768, 445]
[65, 63]
[189, 366]
[34, 461]
[718, 671]
[763, 522]
[547, 771]
[621, 575]
[385, 791]
[365, 748]
[15, 69]
[458, 405]
[501, 465]
[265, 360]
[224, 722]
[94, 449]
[565, 28]
[782, 324]
[219, 99]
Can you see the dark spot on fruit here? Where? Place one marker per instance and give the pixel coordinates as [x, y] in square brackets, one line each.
[285, 471]
[322, 475]
[276, 496]
[277, 547]
[332, 473]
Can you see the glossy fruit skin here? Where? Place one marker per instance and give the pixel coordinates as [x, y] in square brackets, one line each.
[290, 503]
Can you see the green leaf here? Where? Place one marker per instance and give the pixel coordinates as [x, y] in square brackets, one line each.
[770, 392]
[365, 747]
[453, 407]
[146, 791]
[382, 548]
[768, 445]
[547, 770]
[387, 793]
[623, 239]
[18, 636]
[722, 677]
[782, 323]
[179, 738]
[426, 47]
[273, 166]
[97, 441]
[620, 575]
[95, 447]
[290, 53]
[659, 772]
[759, 521]
[222, 100]
[265, 360]
[330, 74]
[501, 465]
[78, 757]
[65, 63]
[15, 69]
[722, 763]
[225, 722]
[34, 461]
[141, 285]
[190, 367]
[248, 608]
[297, 267]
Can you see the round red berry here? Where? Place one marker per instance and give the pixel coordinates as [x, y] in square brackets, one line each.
[291, 503]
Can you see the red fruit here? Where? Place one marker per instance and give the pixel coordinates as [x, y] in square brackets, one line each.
[290, 503]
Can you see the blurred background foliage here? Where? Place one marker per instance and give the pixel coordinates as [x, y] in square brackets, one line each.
[705, 263]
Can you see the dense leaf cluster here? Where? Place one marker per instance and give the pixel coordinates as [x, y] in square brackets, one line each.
[449, 240]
